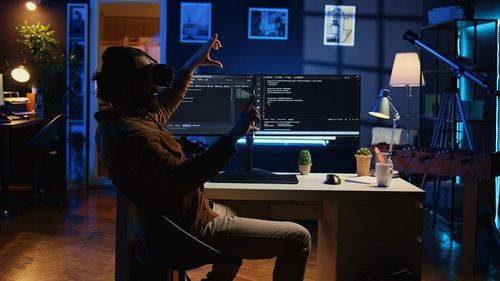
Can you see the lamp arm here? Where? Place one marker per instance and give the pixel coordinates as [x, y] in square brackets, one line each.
[394, 122]
[394, 110]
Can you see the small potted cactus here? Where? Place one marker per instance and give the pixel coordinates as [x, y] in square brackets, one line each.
[305, 162]
[363, 157]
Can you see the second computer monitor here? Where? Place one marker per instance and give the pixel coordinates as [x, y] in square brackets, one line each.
[309, 105]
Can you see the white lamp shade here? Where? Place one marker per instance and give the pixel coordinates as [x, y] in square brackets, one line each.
[406, 71]
[20, 74]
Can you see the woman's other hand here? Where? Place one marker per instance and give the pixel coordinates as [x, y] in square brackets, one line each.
[202, 56]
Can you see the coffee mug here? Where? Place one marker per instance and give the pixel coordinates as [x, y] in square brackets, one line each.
[383, 174]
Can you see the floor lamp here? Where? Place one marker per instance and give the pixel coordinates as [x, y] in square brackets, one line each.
[406, 73]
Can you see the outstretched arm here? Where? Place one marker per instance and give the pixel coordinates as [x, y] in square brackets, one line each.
[170, 100]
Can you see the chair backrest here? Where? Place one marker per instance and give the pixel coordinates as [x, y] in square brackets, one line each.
[47, 139]
[162, 241]
[187, 252]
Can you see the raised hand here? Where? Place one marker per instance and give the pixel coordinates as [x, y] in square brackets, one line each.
[247, 121]
[202, 56]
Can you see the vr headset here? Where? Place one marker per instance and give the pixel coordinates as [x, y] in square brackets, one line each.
[157, 75]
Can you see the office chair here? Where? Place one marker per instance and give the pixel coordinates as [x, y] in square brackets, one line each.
[44, 144]
[157, 254]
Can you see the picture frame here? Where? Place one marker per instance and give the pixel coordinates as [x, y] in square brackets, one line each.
[77, 20]
[339, 25]
[268, 23]
[196, 22]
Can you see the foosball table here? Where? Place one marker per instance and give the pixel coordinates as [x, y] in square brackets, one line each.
[478, 172]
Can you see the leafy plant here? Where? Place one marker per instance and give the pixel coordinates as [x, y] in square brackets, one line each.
[44, 58]
[39, 50]
[305, 157]
[364, 151]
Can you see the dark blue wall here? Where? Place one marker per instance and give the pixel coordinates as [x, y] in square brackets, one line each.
[380, 25]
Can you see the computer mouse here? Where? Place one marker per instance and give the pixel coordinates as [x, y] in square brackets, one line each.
[25, 116]
[332, 179]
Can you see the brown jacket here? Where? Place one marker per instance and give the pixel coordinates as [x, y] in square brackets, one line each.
[148, 165]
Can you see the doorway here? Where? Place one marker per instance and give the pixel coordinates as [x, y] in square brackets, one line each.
[120, 23]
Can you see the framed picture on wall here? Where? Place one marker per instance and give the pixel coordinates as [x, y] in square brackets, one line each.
[339, 25]
[196, 22]
[77, 18]
[268, 23]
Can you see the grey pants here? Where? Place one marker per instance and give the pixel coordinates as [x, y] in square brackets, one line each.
[257, 239]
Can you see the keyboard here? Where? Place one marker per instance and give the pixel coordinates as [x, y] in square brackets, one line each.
[254, 176]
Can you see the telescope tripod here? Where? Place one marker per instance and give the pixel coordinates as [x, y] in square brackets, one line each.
[444, 137]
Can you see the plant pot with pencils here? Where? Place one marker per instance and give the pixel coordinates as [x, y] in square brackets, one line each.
[363, 158]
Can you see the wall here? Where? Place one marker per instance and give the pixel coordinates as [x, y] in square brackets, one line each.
[380, 25]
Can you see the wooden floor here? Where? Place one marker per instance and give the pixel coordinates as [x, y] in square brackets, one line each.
[39, 244]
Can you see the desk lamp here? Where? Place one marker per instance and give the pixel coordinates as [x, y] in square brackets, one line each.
[406, 73]
[382, 108]
[20, 74]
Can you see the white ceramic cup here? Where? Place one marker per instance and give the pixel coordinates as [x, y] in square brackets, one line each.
[383, 174]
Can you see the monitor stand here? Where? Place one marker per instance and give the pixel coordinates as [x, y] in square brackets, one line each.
[253, 175]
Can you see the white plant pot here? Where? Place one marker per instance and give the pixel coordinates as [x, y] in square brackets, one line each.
[304, 169]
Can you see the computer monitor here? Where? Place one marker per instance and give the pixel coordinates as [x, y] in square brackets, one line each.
[212, 105]
[290, 105]
[309, 105]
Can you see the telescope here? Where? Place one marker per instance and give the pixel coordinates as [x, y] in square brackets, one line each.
[459, 69]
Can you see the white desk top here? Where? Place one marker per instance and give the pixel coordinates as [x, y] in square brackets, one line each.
[312, 188]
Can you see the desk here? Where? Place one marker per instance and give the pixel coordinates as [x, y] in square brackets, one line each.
[5, 135]
[359, 225]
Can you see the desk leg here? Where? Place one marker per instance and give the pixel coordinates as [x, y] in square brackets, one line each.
[5, 172]
[467, 260]
[327, 243]
[478, 221]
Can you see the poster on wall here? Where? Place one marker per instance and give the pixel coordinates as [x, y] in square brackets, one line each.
[77, 17]
[196, 19]
[339, 25]
[268, 23]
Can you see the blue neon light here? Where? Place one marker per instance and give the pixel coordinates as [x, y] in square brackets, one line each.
[288, 141]
[497, 127]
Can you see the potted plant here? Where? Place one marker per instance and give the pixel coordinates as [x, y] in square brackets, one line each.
[363, 157]
[305, 162]
[42, 55]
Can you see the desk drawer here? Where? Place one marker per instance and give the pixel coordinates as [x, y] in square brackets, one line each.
[278, 210]
[358, 223]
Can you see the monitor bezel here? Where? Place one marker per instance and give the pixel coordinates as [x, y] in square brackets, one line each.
[295, 134]
[305, 134]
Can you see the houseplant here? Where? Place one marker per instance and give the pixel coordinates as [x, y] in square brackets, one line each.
[363, 157]
[305, 162]
[42, 55]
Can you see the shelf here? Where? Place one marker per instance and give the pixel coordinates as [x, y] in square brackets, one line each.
[423, 117]
[460, 23]
[476, 42]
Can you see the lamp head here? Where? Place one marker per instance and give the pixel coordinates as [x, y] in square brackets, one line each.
[20, 74]
[381, 108]
[32, 5]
